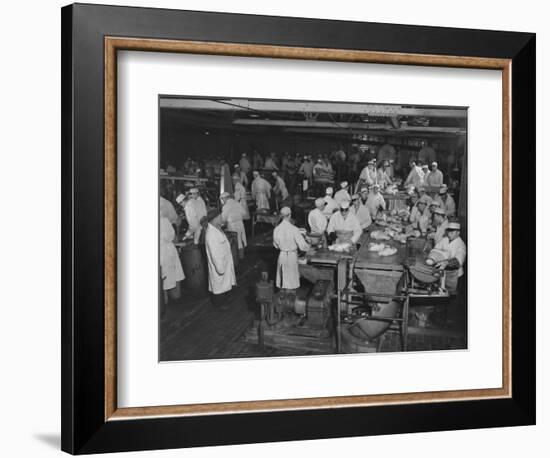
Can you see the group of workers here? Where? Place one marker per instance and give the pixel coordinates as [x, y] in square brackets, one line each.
[350, 210]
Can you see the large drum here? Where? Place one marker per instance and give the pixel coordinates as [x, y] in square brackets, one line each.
[194, 267]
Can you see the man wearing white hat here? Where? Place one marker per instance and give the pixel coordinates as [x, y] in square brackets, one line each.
[288, 239]
[221, 269]
[232, 216]
[194, 209]
[345, 221]
[422, 193]
[342, 194]
[316, 218]
[456, 250]
[440, 224]
[434, 176]
[261, 191]
[375, 201]
[421, 218]
[445, 201]
[306, 169]
[331, 205]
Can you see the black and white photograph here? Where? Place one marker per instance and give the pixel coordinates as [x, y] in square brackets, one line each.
[298, 228]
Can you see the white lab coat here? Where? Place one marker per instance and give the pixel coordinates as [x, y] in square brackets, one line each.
[240, 196]
[288, 239]
[167, 210]
[232, 215]
[449, 204]
[434, 178]
[195, 209]
[170, 264]
[261, 191]
[363, 215]
[374, 202]
[317, 221]
[221, 270]
[368, 176]
[270, 164]
[330, 206]
[456, 249]
[342, 195]
[416, 177]
[350, 223]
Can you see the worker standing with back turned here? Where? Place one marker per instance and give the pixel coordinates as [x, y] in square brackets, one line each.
[288, 239]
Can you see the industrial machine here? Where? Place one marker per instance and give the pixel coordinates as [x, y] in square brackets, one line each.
[294, 320]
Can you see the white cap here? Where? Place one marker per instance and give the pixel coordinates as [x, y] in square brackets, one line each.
[344, 204]
[443, 189]
[453, 226]
[194, 190]
[344, 184]
[440, 211]
[285, 211]
[434, 163]
[320, 201]
[364, 189]
[329, 190]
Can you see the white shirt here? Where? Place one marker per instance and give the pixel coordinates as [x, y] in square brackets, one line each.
[449, 204]
[350, 223]
[363, 215]
[456, 249]
[434, 178]
[374, 201]
[317, 221]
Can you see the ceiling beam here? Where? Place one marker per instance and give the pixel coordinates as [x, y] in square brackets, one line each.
[311, 107]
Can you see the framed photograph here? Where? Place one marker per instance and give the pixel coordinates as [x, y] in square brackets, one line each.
[284, 228]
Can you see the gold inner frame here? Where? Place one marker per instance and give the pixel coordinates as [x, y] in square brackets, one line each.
[114, 44]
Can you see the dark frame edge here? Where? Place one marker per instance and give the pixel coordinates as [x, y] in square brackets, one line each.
[67, 385]
[96, 435]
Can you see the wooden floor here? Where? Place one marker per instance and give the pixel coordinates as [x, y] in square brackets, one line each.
[193, 329]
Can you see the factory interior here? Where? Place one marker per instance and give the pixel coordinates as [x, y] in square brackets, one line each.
[394, 286]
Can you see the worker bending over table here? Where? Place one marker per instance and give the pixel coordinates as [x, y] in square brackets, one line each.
[344, 225]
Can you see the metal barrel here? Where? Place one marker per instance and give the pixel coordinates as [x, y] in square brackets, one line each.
[194, 267]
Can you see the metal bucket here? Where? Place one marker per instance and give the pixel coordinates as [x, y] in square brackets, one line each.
[194, 268]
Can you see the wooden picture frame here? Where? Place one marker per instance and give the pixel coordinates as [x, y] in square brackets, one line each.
[91, 37]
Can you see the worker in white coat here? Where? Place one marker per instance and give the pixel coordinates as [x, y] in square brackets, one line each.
[362, 211]
[170, 265]
[195, 210]
[317, 219]
[344, 221]
[331, 205]
[288, 239]
[368, 175]
[232, 217]
[456, 250]
[221, 270]
[342, 194]
[261, 191]
[415, 177]
[375, 201]
[434, 176]
[240, 196]
[445, 201]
